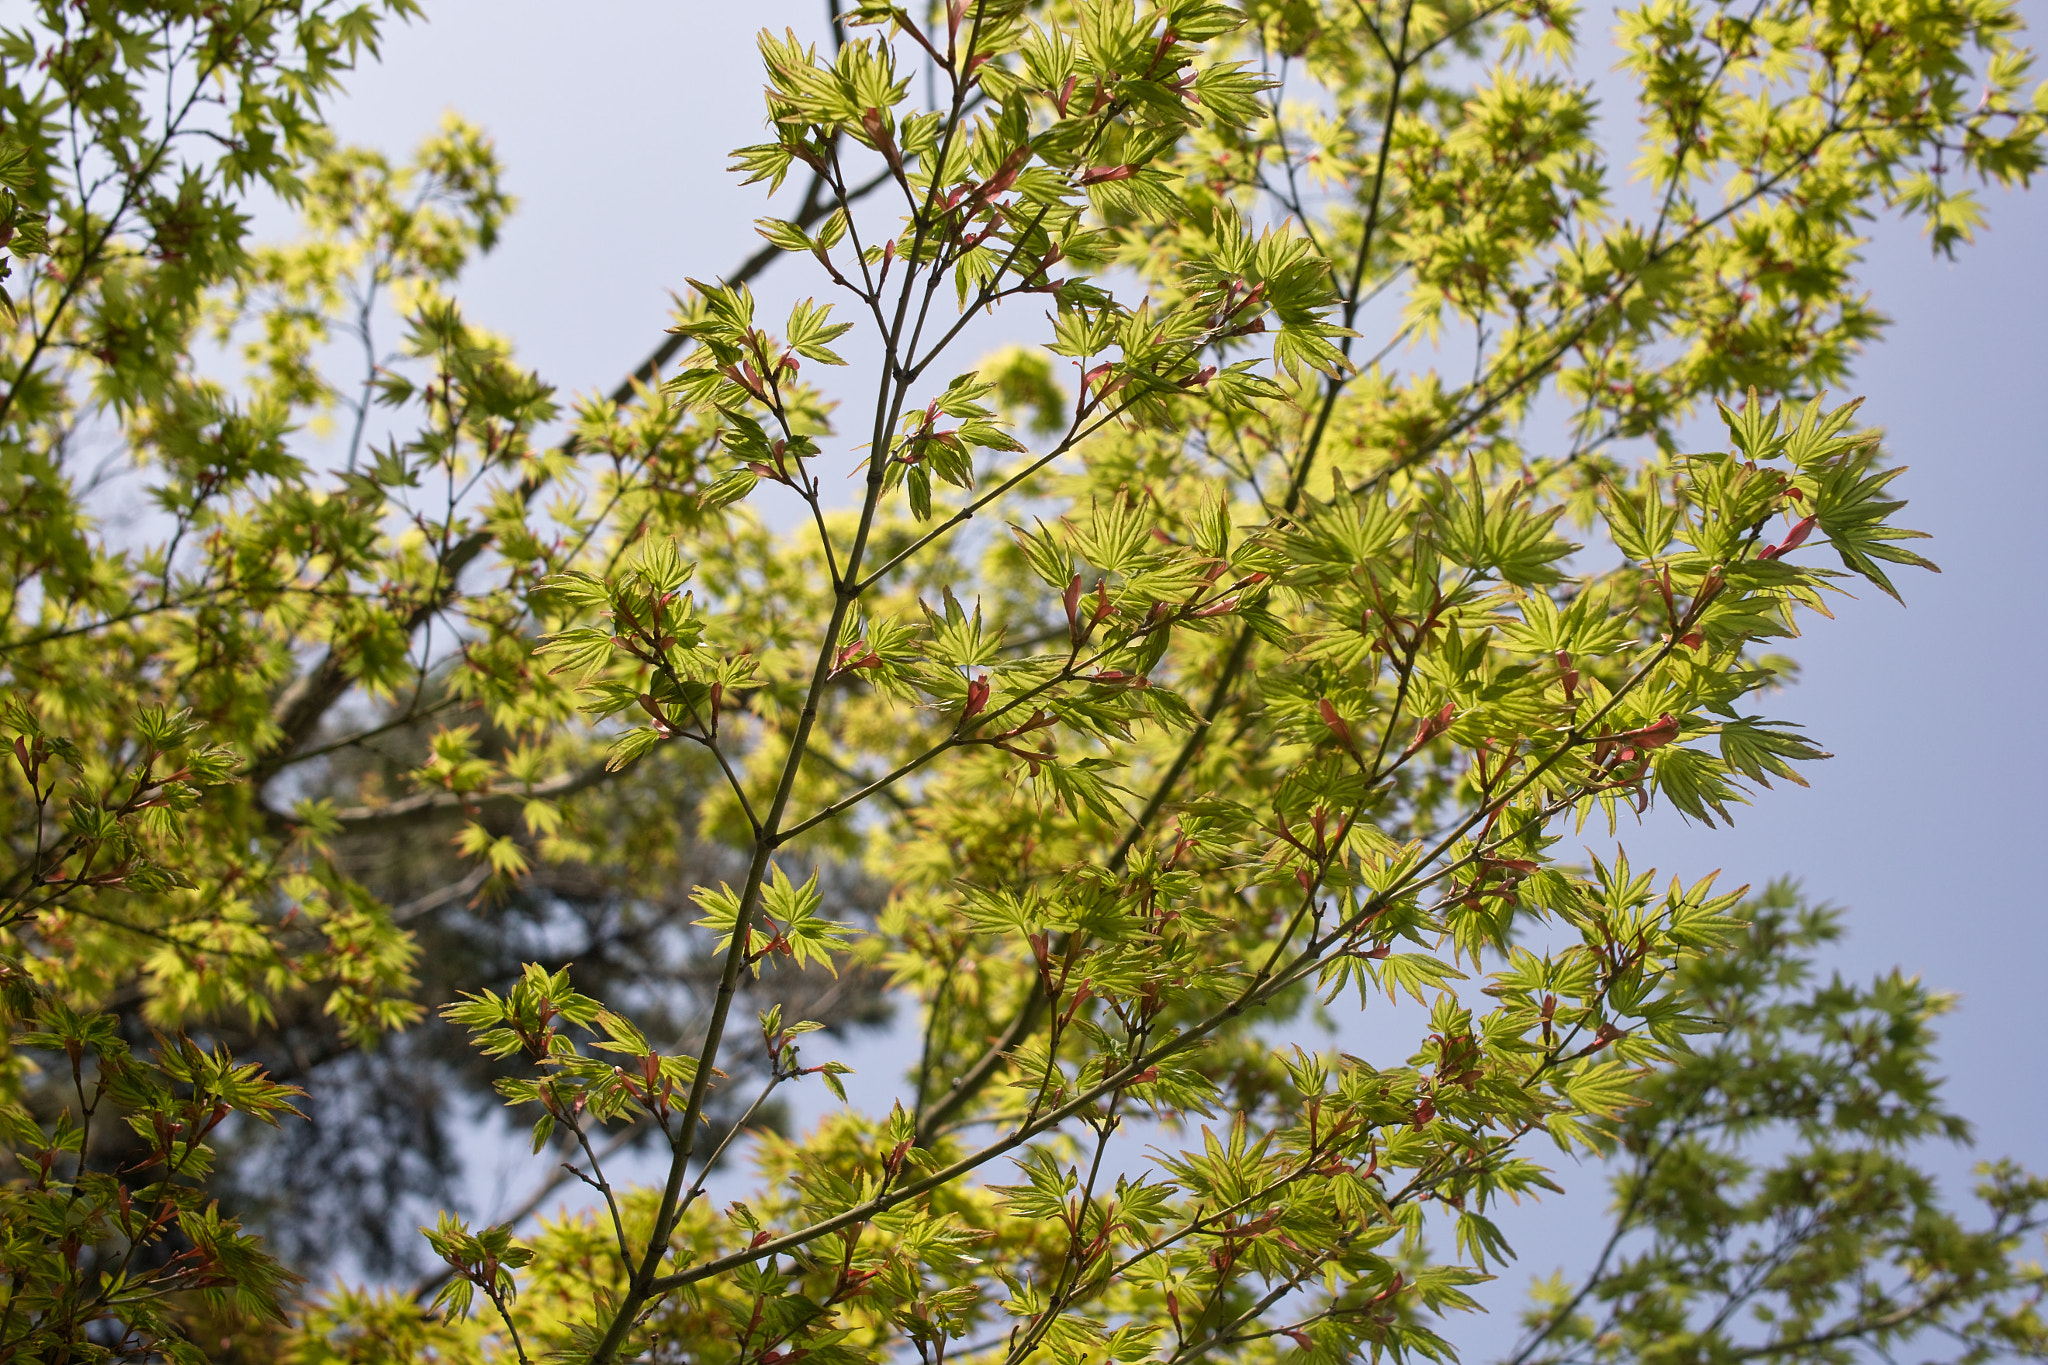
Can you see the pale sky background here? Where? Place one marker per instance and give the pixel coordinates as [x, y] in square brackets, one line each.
[614, 118]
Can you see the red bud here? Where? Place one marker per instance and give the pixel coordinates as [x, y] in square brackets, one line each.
[977, 699]
[1432, 727]
[878, 133]
[1072, 598]
[1336, 724]
[1792, 541]
[1653, 736]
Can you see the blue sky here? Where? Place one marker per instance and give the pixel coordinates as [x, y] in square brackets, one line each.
[615, 118]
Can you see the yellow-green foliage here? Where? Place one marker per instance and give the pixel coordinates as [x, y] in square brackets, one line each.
[1207, 662]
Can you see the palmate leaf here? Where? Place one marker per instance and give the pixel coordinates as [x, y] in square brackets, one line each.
[810, 330]
[1079, 786]
[1410, 973]
[1851, 508]
[808, 936]
[1696, 784]
[581, 650]
[1759, 752]
[1602, 1089]
[1641, 526]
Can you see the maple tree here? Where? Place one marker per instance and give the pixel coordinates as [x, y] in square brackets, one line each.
[1207, 667]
